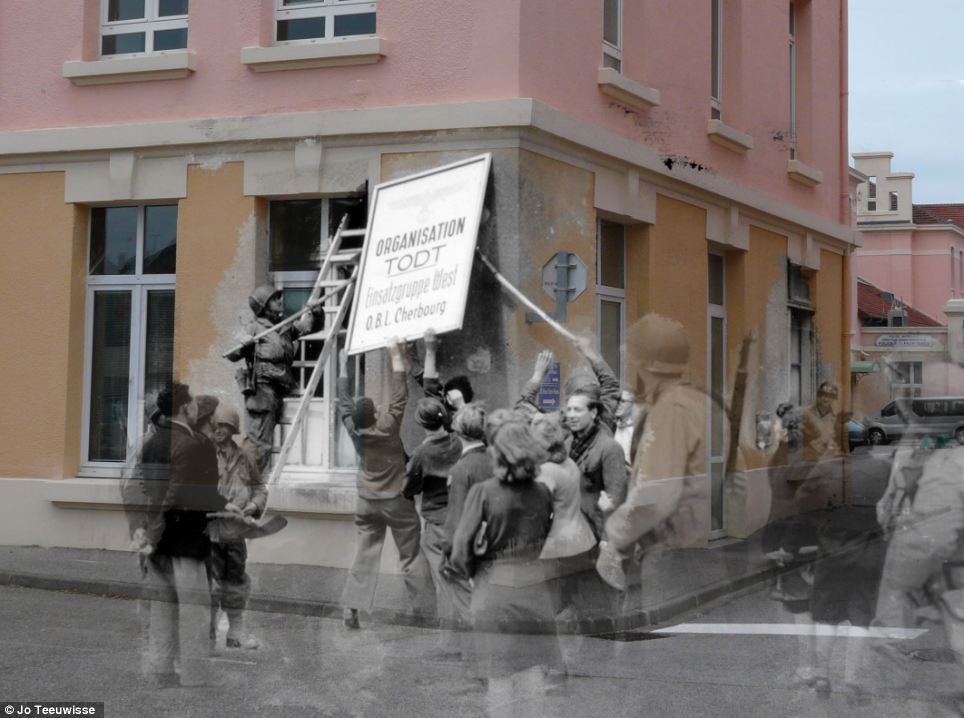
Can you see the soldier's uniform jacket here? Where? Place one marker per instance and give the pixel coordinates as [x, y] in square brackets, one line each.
[668, 499]
[239, 480]
[272, 355]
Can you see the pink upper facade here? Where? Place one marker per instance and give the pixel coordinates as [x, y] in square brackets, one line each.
[914, 251]
[438, 52]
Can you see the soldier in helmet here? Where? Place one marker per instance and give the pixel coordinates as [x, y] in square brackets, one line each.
[242, 486]
[266, 377]
[667, 505]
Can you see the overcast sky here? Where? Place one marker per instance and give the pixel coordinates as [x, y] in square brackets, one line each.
[907, 90]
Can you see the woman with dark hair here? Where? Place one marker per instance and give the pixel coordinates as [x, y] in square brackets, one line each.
[500, 536]
[427, 473]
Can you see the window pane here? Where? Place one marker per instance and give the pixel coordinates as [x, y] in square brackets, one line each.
[610, 61]
[113, 240]
[166, 8]
[125, 10]
[715, 70]
[110, 371]
[357, 210]
[610, 333]
[170, 39]
[611, 22]
[302, 29]
[361, 24]
[295, 235]
[122, 44]
[715, 272]
[717, 387]
[294, 299]
[159, 346]
[611, 255]
[160, 239]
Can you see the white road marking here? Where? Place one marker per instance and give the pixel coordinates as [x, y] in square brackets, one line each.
[792, 629]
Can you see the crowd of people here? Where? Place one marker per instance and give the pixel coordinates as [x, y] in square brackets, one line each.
[515, 521]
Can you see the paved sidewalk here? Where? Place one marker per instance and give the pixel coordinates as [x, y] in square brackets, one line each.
[679, 582]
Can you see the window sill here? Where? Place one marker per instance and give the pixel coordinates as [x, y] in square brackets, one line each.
[624, 90]
[803, 173]
[334, 498]
[725, 136]
[112, 70]
[328, 53]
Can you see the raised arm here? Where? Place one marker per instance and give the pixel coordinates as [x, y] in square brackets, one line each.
[530, 392]
[430, 381]
[346, 406]
[392, 419]
[609, 389]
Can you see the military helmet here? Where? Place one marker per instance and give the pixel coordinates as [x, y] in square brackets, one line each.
[261, 296]
[658, 344]
[227, 415]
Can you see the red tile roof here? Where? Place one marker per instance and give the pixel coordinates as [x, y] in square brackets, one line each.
[871, 305]
[939, 214]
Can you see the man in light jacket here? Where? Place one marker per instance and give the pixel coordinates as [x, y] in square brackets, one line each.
[375, 433]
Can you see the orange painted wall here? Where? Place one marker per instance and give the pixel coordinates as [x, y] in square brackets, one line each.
[42, 283]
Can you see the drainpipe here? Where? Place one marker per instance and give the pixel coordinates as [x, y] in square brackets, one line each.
[846, 403]
[844, 100]
[846, 220]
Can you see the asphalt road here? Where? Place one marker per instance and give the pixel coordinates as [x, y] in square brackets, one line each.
[61, 646]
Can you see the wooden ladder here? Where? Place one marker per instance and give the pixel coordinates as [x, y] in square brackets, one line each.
[328, 286]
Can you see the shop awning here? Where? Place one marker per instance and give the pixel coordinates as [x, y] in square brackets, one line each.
[864, 367]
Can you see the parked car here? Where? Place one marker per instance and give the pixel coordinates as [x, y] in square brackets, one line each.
[856, 433]
[935, 416]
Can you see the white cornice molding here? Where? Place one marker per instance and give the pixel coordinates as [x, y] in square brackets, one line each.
[38, 146]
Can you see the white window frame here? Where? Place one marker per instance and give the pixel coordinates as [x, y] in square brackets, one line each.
[610, 52]
[611, 294]
[907, 389]
[138, 285]
[327, 9]
[807, 374]
[305, 279]
[149, 24]
[792, 27]
[716, 60]
[716, 311]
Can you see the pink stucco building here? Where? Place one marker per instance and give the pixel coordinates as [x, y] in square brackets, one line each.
[911, 270]
[915, 251]
[692, 154]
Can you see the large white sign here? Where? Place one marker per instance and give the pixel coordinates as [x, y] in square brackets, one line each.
[417, 259]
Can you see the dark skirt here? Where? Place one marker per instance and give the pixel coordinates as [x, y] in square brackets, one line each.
[513, 619]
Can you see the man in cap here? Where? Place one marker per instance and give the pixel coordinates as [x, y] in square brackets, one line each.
[179, 474]
[375, 434]
[267, 378]
[668, 501]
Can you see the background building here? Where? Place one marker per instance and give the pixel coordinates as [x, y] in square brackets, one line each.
[911, 265]
[158, 159]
